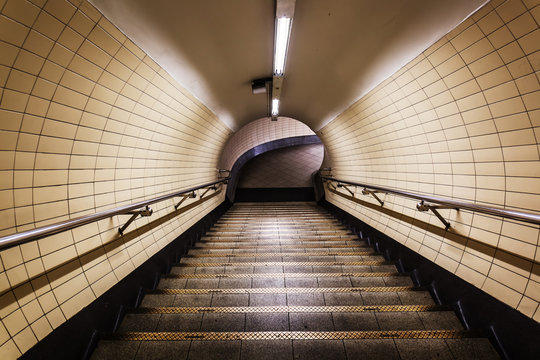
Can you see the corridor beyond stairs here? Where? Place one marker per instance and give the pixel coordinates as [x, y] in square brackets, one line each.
[288, 281]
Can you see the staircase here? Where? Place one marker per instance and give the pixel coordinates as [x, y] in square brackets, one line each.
[288, 281]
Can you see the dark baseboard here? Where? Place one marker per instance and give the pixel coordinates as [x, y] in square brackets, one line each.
[78, 336]
[514, 335]
[274, 194]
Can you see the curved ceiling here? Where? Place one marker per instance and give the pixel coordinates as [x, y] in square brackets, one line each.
[338, 51]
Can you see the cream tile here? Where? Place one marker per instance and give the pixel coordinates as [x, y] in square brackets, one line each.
[527, 306]
[8, 54]
[70, 39]
[103, 40]
[11, 31]
[510, 10]
[56, 318]
[529, 42]
[48, 26]
[14, 100]
[60, 55]
[10, 350]
[60, 9]
[522, 25]
[112, 30]
[490, 22]
[14, 322]
[28, 62]
[41, 328]
[38, 44]
[85, 68]
[466, 38]
[21, 10]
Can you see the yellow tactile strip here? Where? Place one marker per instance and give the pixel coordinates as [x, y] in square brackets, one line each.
[285, 290]
[287, 246]
[291, 335]
[297, 227]
[288, 309]
[282, 275]
[347, 253]
[277, 232]
[271, 239]
[292, 263]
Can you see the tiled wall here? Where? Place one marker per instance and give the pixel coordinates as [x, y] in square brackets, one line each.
[461, 121]
[259, 132]
[87, 122]
[283, 168]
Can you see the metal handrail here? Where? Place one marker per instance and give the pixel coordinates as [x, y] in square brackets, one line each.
[48, 230]
[490, 210]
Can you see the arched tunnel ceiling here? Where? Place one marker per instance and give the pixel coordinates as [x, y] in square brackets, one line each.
[339, 49]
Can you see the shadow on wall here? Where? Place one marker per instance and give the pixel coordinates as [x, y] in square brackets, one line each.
[509, 257]
[43, 279]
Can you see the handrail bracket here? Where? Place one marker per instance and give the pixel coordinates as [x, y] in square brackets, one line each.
[184, 197]
[422, 206]
[346, 188]
[147, 211]
[213, 187]
[374, 194]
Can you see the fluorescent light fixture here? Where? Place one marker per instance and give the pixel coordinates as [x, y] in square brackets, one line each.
[275, 107]
[282, 39]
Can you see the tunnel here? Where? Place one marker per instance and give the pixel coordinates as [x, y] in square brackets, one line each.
[385, 168]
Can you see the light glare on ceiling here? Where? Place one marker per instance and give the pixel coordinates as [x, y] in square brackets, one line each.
[282, 39]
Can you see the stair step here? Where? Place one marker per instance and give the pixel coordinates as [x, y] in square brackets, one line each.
[287, 309]
[235, 239]
[389, 295]
[283, 275]
[335, 253]
[281, 263]
[290, 321]
[298, 226]
[298, 335]
[271, 281]
[285, 290]
[281, 269]
[304, 282]
[446, 344]
[281, 237]
[286, 246]
[279, 229]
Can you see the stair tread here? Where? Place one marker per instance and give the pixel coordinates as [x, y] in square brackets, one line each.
[291, 321]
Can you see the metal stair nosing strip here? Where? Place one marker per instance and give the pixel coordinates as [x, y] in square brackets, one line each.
[288, 309]
[280, 246]
[293, 335]
[284, 290]
[283, 263]
[282, 275]
[349, 253]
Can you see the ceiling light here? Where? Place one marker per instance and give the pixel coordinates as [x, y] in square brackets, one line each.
[282, 39]
[275, 107]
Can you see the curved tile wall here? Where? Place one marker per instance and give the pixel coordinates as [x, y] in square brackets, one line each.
[462, 120]
[259, 132]
[87, 122]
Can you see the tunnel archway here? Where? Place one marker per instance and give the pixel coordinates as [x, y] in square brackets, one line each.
[262, 136]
